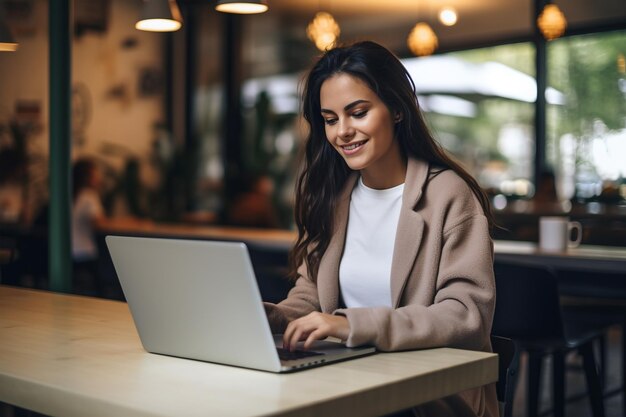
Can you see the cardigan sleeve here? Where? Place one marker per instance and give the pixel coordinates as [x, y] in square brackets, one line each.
[302, 299]
[462, 309]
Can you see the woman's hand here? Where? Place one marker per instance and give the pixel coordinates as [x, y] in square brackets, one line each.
[315, 326]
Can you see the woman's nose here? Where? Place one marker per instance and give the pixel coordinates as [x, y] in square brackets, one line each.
[346, 131]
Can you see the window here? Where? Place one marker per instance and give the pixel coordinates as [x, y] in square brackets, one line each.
[586, 135]
[480, 106]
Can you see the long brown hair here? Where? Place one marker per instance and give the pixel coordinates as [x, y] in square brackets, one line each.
[83, 171]
[324, 172]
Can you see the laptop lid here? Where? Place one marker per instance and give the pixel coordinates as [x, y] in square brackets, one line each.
[200, 300]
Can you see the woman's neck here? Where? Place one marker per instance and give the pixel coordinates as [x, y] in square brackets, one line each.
[382, 179]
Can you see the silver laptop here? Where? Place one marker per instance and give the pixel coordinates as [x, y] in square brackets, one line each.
[200, 300]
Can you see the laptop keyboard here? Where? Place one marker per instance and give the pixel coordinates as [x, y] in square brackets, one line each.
[288, 355]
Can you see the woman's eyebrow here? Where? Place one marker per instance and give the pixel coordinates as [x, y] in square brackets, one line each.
[347, 107]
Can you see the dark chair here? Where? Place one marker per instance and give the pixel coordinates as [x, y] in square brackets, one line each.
[528, 311]
[508, 364]
[8, 253]
[598, 296]
[33, 256]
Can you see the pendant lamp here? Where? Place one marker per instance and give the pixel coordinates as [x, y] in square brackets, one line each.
[448, 16]
[422, 39]
[7, 42]
[242, 6]
[323, 31]
[551, 22]
[159, 16]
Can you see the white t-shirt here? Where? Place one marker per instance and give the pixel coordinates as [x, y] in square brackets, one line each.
[365, 269]
[87, 207]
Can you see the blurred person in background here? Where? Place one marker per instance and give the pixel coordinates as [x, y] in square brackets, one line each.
[253, 205]
[13, 205]
[87, 212]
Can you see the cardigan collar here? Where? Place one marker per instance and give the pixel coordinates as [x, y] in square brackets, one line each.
[407, 241]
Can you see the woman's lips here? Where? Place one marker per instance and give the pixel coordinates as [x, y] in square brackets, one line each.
[352, 148]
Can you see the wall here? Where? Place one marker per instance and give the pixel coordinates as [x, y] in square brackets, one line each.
[110, 66]
[113, 117]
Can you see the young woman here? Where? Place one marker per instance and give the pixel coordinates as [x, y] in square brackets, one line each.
[393, 244]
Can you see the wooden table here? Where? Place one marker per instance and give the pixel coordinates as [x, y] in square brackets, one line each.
[278, 239]
[77, 356]
[603, 224]
[591, 258]
[269, 249]
[597, 259]
[585, 257]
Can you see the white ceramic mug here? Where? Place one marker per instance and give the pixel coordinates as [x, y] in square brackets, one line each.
[555, 234]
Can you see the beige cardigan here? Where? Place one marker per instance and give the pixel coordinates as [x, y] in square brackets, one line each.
[442, 283]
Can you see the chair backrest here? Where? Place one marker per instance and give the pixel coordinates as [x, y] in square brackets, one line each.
[8, 251]
[8, 247]
[527, 303]
[508, 364]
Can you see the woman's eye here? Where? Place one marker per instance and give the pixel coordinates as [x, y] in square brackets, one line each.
[330, 121]
[359, 114]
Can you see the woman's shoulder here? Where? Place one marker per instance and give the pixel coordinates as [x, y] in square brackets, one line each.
[447, 183]
[446, 176]
[446, 191]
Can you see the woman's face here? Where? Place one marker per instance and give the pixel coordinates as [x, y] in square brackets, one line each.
[360, 127]
[95, 177]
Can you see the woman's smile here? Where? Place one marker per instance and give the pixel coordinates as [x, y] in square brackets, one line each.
[353, 147]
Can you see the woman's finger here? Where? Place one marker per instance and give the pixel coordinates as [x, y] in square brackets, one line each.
[313, 336]
[296, 331]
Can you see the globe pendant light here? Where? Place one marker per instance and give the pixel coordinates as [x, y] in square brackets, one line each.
[551, 22]
[422, 39]
[323, 31]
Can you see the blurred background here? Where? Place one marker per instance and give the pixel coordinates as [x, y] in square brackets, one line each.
[193, 125]
[195, 133]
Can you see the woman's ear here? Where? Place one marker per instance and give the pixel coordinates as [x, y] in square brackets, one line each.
[398, 117]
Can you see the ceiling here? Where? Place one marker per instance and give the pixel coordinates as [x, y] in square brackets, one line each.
[580, 9]
[480, 21]
[379, 6]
